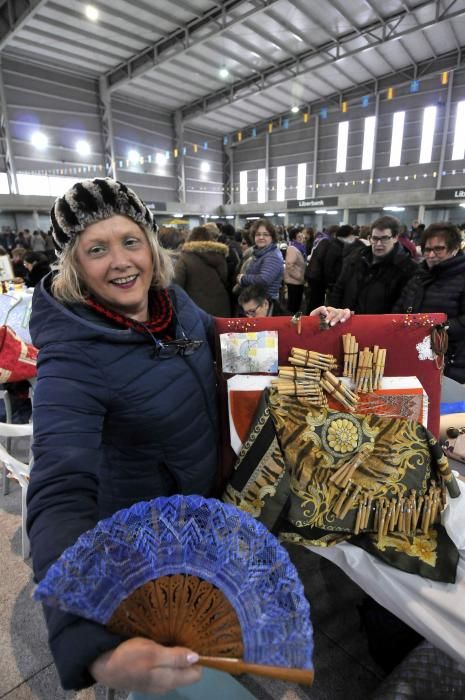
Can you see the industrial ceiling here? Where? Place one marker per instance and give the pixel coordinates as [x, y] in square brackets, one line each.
[228, 65]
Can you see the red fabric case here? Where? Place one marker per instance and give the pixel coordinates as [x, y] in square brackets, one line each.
[17, 358]
[398, 333]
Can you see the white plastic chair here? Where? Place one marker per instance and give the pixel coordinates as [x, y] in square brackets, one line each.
[19, 471]
[5, 397]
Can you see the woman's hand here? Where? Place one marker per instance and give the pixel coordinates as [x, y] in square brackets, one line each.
[144, 666]
[332, 315]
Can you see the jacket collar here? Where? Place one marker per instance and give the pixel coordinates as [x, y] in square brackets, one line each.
[396, 254]
[258, 252]
[201, 247]
[449, 266]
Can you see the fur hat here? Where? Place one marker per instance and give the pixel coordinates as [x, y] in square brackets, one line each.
[89, 201]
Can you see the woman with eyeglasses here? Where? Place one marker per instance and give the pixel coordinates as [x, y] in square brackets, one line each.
[439, 286]
[267, 267]
[124, 410]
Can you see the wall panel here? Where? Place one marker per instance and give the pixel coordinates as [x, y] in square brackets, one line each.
[296, 144]
[203, 187]
[64, 107]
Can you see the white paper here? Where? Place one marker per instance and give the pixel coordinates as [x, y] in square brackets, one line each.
[245, 353]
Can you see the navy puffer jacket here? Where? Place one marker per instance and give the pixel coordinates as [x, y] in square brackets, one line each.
[267, 268]
[113, 425]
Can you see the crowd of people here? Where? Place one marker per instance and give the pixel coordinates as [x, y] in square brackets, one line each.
[30, 255]
[378, 269]
[37, 241]
[263, 270]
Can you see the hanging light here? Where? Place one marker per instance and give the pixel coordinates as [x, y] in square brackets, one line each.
[83, 147]
[39, 140]
[134, 156]
[91, 13]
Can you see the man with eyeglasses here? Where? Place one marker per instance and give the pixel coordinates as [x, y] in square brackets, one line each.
[440, 286]
[256, 304]
[372, 280]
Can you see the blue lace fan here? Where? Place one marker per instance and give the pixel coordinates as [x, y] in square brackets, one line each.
[193, 572]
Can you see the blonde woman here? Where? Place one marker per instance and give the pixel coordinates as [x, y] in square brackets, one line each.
[124, 410]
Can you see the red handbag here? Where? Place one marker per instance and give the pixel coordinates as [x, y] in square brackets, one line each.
[17, 358]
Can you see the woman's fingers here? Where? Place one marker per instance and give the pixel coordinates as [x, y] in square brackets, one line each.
[144, 666]
[332, 314]
[164, 678]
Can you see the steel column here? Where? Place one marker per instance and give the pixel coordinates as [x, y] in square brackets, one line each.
[179, 161]
[6, 137]
[107, 128]
[445, 131]
[315, 154]
[375, 139]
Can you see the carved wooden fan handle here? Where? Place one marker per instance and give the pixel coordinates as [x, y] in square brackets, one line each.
[303, 676]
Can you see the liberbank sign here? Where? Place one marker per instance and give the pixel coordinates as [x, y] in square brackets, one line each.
[457, 194]
[312, 203]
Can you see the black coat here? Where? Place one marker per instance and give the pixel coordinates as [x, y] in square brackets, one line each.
[39, 270]
[368, 286]
[326, 262]
[441, 288]
[325, 267]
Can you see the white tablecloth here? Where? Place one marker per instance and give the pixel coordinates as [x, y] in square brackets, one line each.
[435, 610]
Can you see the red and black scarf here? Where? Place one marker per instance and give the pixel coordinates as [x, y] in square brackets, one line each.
[160, 314]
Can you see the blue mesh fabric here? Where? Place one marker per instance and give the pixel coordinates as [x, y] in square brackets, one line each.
[191, 535]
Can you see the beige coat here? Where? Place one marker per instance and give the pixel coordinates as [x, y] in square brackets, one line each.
[294, 269]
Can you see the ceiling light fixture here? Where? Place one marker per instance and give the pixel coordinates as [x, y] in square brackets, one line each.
[224, 73]
[295, 109]
[39, 140]
[92, 13]
[83, 147]
[133, 157]
[160, 159]
[205, 166]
